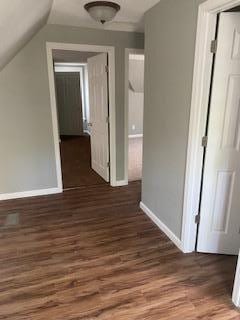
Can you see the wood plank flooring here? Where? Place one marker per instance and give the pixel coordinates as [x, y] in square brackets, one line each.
[76, 162]
[92, 254]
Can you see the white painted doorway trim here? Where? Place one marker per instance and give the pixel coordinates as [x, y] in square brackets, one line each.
[128, 52]
[58, 67]
[50, 46]
[206, 27]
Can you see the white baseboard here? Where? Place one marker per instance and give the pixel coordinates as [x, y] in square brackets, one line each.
[132, 136]
[26, 194]
[120, 183]
[161, 226]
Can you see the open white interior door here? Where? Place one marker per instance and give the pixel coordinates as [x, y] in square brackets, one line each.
[219, 229]
[98, 102]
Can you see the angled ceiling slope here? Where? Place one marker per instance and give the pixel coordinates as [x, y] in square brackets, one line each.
[19, 21]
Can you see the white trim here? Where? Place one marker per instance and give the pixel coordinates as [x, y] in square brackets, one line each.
[87, 132]
[236, 289]
[58, 68]
[86, 90]
[128, 52]
[26, 194]
[79, 69]
[54, 116]
[120, 183]
[139, 57]
[112, 106]
[161, 226]
[206, 27]
[132, 136]
[69, 64]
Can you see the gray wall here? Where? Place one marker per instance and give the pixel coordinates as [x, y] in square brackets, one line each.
[136, 97]
[169, 58]
[26, 139]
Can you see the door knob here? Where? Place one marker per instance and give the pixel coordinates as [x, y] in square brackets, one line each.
[90, 124]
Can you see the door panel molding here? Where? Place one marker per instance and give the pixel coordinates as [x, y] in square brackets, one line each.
[98, 110]
[219, 213]
[206, 26]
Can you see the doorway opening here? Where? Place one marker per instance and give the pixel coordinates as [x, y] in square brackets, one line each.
[73, 107]
[82, 100]
[134, 110]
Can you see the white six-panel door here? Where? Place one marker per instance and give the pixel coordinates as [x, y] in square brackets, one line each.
[98, 102]
[219, 229]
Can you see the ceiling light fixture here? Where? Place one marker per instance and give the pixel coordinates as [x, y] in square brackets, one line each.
[102, 11]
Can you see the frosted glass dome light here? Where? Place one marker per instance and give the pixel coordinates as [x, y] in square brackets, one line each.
[102, 11]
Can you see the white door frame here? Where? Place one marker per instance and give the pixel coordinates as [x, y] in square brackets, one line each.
[206, 27]
[128, 51]
[50, 46]
[59, 67]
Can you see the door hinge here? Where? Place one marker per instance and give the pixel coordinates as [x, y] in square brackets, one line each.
[197, 219]
[107, 119]
[204, 141]
[106, 69]
[108, 164]
[214, 46]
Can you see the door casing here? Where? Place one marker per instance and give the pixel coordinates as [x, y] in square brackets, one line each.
[206, 27]
[50, 46]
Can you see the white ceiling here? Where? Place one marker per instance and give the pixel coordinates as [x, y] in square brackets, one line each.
[21, 19]
[129, 18]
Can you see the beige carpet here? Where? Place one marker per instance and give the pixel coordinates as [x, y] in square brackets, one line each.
[135, 159]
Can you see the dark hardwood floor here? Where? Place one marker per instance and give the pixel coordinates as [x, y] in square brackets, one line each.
[91, 253]
[76, 162]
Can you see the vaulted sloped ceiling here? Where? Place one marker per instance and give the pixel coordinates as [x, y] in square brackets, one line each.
[19, 21]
